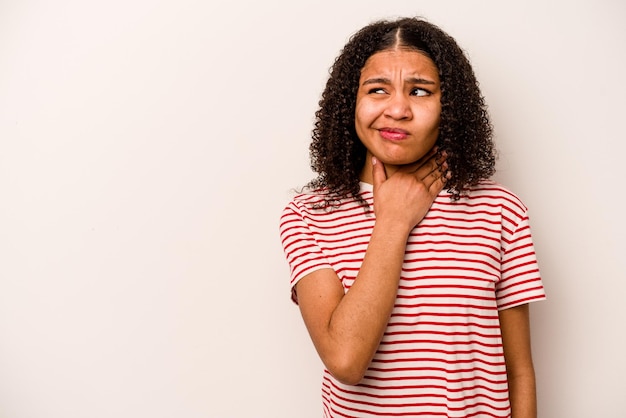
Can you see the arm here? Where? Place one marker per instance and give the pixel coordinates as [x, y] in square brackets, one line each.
[346, 329]
[515, 325]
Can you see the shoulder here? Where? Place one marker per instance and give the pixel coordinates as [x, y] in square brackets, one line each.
[306, 202]
[487, 197]
[491, 192]
[309, 198]
[321, 202]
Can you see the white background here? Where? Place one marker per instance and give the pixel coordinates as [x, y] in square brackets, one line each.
[147, 149]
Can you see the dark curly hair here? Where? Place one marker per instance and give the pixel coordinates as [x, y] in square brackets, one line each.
[465, 131]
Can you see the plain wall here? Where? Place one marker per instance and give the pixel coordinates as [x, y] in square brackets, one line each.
[147, 149]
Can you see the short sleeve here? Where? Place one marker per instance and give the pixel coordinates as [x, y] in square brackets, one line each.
[520, 281]
[301, 248]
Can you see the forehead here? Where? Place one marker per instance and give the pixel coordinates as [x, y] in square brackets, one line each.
[400, 59]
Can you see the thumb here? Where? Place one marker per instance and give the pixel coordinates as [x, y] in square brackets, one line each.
[378, 173]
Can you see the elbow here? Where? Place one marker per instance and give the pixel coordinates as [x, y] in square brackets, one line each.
[351, 380]
[347, 377]
[348, 371]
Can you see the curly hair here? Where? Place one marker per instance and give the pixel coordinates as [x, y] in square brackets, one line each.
[465, 131]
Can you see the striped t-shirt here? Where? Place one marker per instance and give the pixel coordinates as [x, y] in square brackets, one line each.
[441, 354]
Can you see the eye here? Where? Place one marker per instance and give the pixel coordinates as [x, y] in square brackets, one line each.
[419, 92]
[376, 90]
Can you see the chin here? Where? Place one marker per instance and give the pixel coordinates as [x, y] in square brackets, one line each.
[398, 161]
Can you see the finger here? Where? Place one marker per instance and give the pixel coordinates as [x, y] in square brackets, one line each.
[378, 173]
[438, 182]
[438, 173]
[428, 169]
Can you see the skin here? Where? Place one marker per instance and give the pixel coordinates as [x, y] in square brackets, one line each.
[397, 116]
[398, 108]
[515, 327]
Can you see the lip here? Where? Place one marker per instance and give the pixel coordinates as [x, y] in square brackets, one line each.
[393, 134]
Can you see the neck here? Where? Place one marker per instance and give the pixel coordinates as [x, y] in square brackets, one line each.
[366, 173]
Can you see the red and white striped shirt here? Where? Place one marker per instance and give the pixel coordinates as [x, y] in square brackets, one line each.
[441, 354]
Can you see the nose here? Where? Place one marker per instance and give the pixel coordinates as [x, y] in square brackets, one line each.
[398, 107]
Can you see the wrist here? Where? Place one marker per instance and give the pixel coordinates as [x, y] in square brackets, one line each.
[393, 228]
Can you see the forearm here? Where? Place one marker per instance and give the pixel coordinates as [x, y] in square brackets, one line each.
[515, 327]
[360, 319]
[522, 393]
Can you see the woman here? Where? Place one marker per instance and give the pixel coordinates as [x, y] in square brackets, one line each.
[412, 270]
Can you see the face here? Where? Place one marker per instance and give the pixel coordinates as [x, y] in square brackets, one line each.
[398, 108]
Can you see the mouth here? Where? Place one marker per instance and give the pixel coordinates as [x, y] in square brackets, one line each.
[393, 134]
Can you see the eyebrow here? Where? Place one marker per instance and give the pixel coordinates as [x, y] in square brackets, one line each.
[411, 80]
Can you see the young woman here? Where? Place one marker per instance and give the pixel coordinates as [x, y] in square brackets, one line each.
[412, 270]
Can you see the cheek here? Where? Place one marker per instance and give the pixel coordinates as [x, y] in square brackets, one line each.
[436, 122]
[360, 119]
[431, 118]
[365, 111]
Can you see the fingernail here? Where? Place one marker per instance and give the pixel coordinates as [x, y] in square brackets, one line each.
[374, 161]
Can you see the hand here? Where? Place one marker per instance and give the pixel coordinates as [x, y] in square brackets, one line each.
[406, 196]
